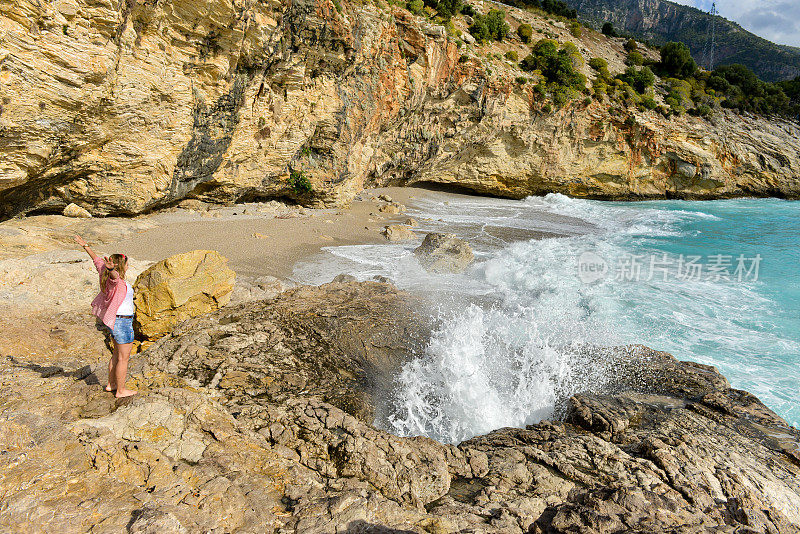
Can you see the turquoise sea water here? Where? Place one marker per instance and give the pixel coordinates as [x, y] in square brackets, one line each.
[664, 275]
[749, 329]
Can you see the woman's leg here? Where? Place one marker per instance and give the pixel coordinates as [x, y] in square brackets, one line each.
[112, 368]
[123, 355]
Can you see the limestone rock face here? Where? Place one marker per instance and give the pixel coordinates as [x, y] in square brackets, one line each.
[125, 106]
[180, 287]
[444, 253]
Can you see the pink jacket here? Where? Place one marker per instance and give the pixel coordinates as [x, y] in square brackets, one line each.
[107, 302]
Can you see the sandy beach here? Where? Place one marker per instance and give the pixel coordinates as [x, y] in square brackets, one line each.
[265, 239]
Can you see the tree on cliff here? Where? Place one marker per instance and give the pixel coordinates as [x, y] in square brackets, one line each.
[608, 29]
[677, 61]
[492, 26]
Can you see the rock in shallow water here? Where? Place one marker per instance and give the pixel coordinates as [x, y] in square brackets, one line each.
[398, 232]
[444, 253]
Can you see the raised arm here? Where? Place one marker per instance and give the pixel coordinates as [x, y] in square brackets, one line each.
[79, 240]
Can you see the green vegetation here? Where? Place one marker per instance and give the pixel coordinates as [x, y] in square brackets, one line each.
[731, 86]
[468, 10]
[338, 5]
[576, 29]
[792, 89]
[512, 56]
[299, 182]
[608, 30]
[525, 32]
[445, 8]
[671, 22]
[677, 61]
[630, 45]
[741, 89]
[558, 67]
[416, 6]
[638, 79]
[634, 58]
[492, 26]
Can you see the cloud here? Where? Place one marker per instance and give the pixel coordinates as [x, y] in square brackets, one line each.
[776, 20]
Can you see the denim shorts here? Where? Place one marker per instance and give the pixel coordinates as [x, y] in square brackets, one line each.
[123, 330]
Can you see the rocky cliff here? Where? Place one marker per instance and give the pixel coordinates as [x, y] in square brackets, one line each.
[257, 418]
[125, 106]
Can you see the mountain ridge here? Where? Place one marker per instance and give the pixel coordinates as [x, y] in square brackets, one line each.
[661, 21]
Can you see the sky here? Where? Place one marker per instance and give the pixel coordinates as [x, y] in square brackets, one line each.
[776, 20]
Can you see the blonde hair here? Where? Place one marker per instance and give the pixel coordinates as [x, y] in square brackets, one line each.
[121, 262]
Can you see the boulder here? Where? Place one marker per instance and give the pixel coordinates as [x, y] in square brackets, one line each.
[444, 253]
[342, 342]
[411, 222]
[398, 232]
[179, 287]
[393, 207]
[73, 210]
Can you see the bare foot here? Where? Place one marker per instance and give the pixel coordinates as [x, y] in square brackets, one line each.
[125, 393]
[110, 388]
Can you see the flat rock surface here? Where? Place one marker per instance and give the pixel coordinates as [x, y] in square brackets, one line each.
[257, 419]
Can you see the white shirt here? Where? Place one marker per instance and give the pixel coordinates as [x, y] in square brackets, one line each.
[126, 308]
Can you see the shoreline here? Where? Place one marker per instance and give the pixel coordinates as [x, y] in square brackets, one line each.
[262, 241]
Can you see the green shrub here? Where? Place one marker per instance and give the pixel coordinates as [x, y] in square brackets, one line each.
[634, 58]
[299, 183]
[561, 79]
[468, 10]
[630, 45]
[525, 32]
[600, 65]
[600, 88]
[416, 6]
[452, 31]
[556, 65]
[521, 80]
[608, 29]
[492, 26]
[676, 60]
[445, 8]
[703, 110]
[463, 58]
[576, 29]
[640, 79]
[648, 102]
[512, 55]
[547, 108]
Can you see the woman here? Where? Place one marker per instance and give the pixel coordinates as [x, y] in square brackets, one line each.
[114, 307]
